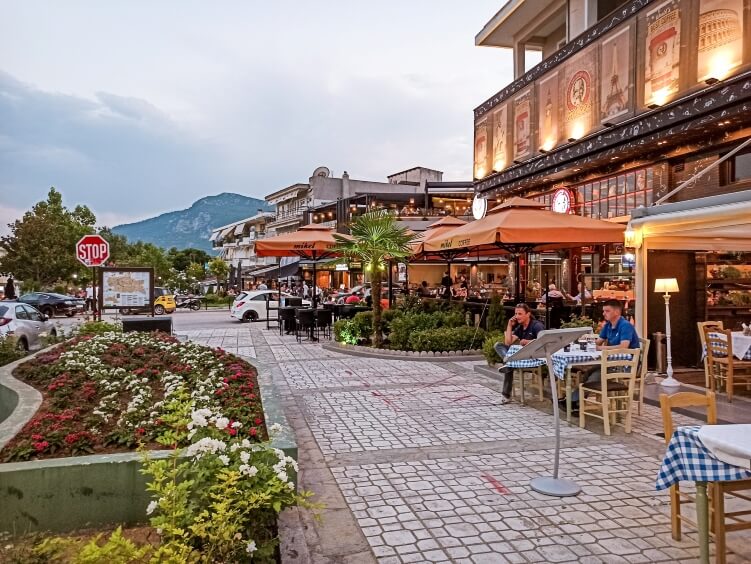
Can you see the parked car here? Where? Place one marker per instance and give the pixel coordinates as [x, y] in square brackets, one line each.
[51, 304]
[251, 306]
[25, 324]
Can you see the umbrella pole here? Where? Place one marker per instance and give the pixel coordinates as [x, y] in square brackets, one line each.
[547, 302]
[314, 281]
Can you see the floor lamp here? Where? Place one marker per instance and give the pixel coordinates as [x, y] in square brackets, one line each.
[666, 286]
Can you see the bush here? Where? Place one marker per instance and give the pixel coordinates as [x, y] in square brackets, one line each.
[387, 316]
[488, 347]
[496, 314]
[8, 351]
[446, 339]
[98, 328]
[355, 330]
[582, 321]
[403, 326]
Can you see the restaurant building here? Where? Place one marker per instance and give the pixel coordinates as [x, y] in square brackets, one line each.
[634, 104]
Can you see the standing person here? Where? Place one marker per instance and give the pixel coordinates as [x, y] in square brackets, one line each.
[521, 329]
[90, 305]
[305, 289]
[446, 286]
[10, 289]
[262, 285]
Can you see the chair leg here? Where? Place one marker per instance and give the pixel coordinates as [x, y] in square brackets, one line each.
[629, 407]
[606, 412]
[675, 512]
[729, 385]
[538, 376]
[719, 523]
[582, 406]
[641, 394]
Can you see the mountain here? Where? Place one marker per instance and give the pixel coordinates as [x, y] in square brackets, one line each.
[192, 227]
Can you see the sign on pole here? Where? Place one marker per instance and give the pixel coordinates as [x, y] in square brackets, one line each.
[92, 250]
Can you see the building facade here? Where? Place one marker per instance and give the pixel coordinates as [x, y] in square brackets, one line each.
[634, 104]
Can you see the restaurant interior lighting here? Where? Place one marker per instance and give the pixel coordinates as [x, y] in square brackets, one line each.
[666, 286]
[659, 98]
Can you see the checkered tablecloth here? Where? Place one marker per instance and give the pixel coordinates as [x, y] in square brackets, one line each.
[561, 360]
[741, 345]
[687, 459]
[526, 363]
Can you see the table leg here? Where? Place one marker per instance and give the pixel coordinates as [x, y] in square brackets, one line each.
[568, 394]
[702, 521]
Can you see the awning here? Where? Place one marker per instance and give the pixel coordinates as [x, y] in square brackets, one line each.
[214, 235]
[277, 271]
[225, 232]
[239, 229]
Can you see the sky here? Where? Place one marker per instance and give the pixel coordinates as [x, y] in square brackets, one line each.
[140, 107]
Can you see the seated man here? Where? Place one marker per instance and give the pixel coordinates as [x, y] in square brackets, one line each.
[422, 290]
[617, 333]
[521, 329]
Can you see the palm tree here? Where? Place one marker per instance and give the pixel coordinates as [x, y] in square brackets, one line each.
[375, 238]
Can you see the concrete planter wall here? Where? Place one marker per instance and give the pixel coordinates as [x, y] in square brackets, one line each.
[447, 356]
[71, 493]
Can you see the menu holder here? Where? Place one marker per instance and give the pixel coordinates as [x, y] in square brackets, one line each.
[547, 343]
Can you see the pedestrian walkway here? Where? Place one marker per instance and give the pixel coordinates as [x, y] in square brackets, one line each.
[419, 462]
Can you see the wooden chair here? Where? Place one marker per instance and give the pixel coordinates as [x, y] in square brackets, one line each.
[739, 489]
[641, 372]
[614, 393]
[534, 376]
[724, 369]
[701, 325]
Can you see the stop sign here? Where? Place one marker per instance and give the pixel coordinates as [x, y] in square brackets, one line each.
[92, 250]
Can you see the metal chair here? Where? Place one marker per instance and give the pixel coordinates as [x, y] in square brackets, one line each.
[305, 321]
[324, 319]
[286, 320]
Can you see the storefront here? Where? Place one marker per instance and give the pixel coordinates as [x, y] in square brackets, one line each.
[705, 244]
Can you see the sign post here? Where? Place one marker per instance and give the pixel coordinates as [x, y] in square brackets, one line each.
[93, 251]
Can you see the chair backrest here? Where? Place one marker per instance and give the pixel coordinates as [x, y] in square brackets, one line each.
[305, 315]
[642, 370]
[686, 399]
[702, 324]
[619, 363]
[719, 343]
[324, 317]
[287, 314]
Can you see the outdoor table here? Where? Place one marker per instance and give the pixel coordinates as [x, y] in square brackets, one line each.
[562, 363]
[741, 344]
[688, 458]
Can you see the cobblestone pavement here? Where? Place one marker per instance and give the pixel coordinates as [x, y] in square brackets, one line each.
[419, 462]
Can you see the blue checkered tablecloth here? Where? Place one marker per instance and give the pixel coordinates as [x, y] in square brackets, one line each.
[561, 360]
[687, 459]
[740, 342]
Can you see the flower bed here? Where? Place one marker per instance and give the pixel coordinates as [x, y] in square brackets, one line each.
[112, 392]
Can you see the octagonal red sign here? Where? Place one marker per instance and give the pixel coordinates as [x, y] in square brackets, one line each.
[92, 250]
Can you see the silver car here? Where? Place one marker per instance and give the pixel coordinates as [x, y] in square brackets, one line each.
[25, 324]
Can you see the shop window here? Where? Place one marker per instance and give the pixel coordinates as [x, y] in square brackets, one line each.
[740, 168]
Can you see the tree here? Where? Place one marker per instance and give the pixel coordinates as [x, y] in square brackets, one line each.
[40, 249]
[219, 268]
[195, 271]
[376, 238]
[182, 258]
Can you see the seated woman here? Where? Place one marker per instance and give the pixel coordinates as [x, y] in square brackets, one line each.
[422, 290]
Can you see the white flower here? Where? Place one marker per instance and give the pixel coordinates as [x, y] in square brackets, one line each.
[251, 548]
[205, 445]
[282, 476]
[151, 507]
[249, 471]
[275, 428]
[245, 456]
[222, 423]
[237, 425]
[246, 443]
[291, 485]
[224, 458]
[159, 531]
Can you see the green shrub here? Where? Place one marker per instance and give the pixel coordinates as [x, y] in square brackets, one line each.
[363, 324]
[447, 339]
[488, 347]
[8, 351]
[582, 321]
[387, 316]
[98, 328]
[496, 314]
[731, 272]
[355, 330]
[403, 326]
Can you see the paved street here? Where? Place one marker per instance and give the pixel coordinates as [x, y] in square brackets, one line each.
[418, 462]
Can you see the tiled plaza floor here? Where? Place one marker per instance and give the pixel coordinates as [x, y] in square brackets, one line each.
[419, 462]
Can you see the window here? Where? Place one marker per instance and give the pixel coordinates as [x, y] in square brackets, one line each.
[33, 314]
[21, 313]
[3, 310]
[740, 168]
[259, 298]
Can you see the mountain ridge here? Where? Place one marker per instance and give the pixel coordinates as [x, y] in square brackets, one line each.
[191, 227]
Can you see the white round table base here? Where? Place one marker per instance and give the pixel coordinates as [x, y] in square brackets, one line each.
[555, 486]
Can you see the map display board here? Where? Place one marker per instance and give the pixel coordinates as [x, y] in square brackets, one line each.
[126, 287]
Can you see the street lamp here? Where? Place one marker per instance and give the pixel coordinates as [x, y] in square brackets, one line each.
[666, 286]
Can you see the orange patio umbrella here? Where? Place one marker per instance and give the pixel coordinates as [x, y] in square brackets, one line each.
[520, 226]
[435, 231]
[310, 242]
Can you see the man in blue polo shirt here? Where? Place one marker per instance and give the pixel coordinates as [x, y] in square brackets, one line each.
[617, 333]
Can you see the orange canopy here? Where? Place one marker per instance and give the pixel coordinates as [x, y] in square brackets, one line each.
[309, 242]
[434, 231]
[519, 225]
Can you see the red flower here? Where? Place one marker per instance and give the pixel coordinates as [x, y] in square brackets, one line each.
[140, 431]
[253, 432]
[40, 446]
[37, 437]
[232, 431]
[258, 421]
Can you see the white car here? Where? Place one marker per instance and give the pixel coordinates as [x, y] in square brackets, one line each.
[25, 324]
[251, 306]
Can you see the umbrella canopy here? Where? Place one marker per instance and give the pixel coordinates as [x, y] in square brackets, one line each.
[309, 242]
[435, 231]
[520, 225]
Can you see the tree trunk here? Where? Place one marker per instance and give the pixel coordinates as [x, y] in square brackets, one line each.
[375, 294]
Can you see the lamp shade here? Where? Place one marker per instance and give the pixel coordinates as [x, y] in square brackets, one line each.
[666, 285]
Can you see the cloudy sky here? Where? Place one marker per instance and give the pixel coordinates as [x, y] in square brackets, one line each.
[140, 107]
